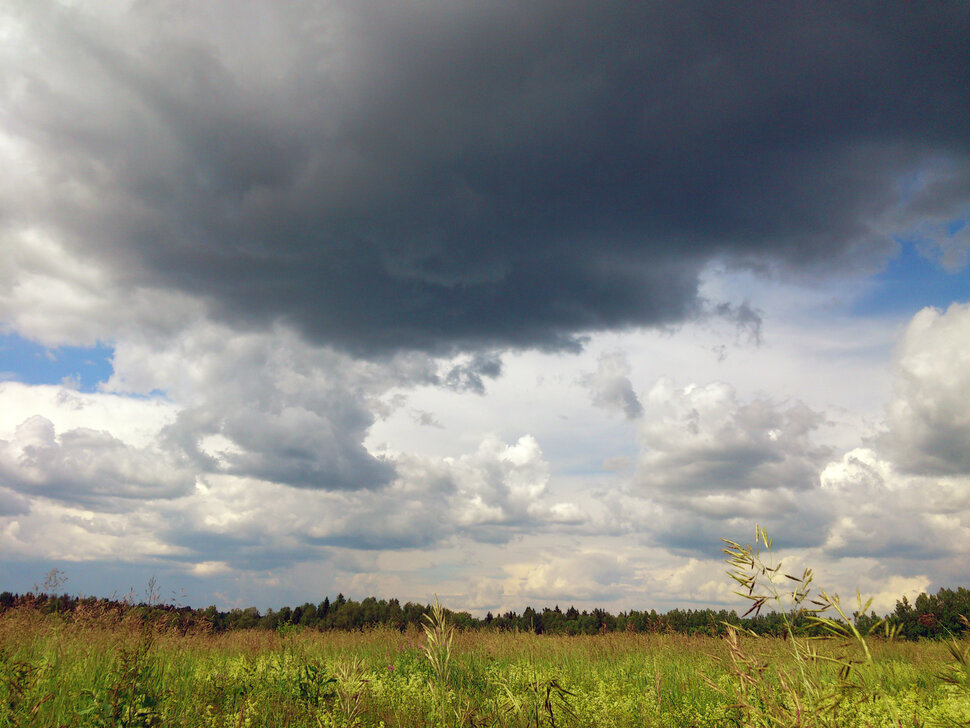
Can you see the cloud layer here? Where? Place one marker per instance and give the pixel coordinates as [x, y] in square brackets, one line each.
[928, 418]
[430, 176]
[209, 490]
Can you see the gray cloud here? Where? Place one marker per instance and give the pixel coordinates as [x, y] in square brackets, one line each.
[467, 377]
[267, 405]
[711, 464]
[436, 176]
[12, 503]
[948, 247]
[746, 319]
[703, 441]
[928, 419]
[610, 385]
[490, 495]
[87, 467]
[881, 512]
[425, 419]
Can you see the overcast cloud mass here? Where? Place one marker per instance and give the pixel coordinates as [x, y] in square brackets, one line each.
[506, 302]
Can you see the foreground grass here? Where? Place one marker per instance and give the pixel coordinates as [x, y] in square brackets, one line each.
[55, 672]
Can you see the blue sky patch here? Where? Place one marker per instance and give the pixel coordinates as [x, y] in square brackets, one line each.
[912, 282]
[25, 361]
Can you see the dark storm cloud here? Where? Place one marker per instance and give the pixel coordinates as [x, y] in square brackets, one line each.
[448, 174]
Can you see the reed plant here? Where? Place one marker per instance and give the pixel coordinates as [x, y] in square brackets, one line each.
[437, 650]
[817, 686]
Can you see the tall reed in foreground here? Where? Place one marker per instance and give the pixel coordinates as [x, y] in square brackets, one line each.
[958, 672]
[437, 649]
[809, 696]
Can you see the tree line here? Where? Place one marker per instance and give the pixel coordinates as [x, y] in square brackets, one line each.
[928, 616]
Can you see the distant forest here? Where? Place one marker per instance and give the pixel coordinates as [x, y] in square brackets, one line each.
[929, 616]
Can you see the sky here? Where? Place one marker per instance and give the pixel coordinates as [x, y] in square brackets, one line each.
[515, 304]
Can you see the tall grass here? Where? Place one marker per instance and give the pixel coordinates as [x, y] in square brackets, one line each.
[58, 673]
[102, 669]
[830, 671]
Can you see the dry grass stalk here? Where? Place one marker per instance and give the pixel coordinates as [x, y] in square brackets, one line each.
[437, 649]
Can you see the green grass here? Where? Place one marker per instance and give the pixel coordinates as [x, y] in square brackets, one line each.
[96, 671]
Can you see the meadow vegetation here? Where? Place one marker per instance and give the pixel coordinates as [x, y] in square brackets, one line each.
[99, 666]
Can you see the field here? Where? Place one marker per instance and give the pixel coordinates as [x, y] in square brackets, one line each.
[90, 670]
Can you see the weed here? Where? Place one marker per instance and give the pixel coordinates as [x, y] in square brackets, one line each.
[539, 703]
[19, 682]
[958, 672]
[132, 698]
[808, 696]
[437, 649]
[351, 685]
